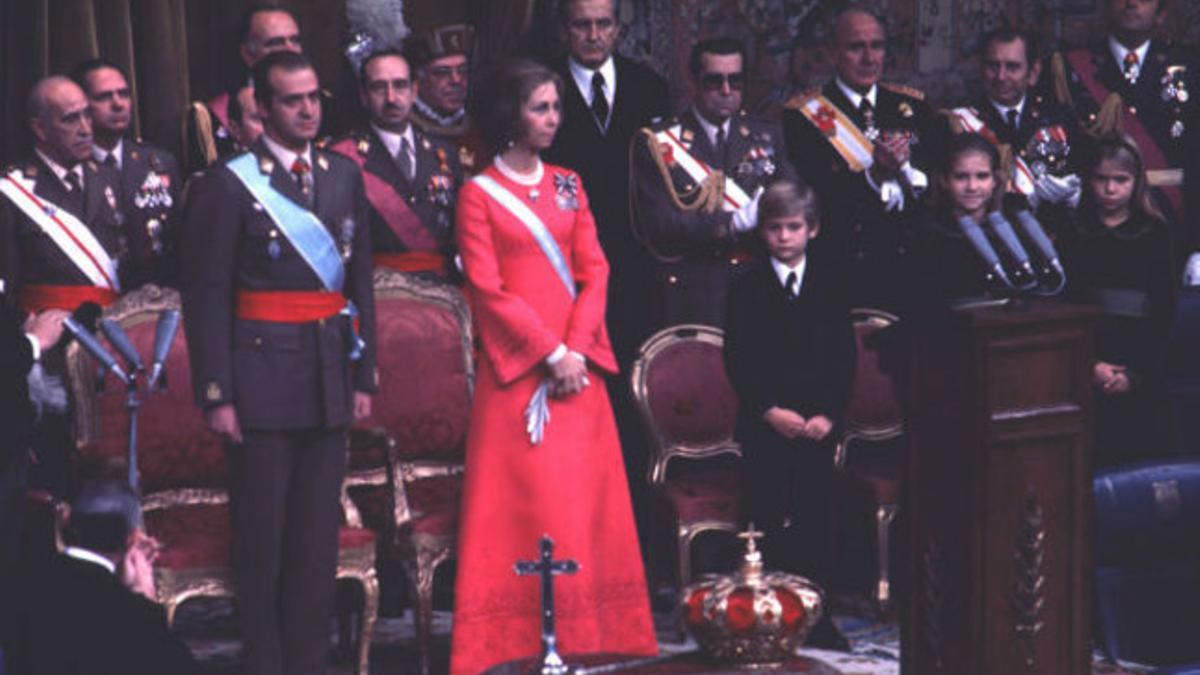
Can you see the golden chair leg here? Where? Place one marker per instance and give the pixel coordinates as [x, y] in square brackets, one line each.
[366, 626]
[420, 576]
[885, 514]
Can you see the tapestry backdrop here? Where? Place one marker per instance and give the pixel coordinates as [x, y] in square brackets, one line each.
[180, 50]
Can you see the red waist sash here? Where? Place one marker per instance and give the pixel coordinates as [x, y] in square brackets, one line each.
[412, 261]
[288, 306]
[40, 297]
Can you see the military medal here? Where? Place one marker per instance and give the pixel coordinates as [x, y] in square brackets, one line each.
[154, 231]
[1177, 129]
[110, 197]
[566, 191]
[1048, 150]
[347, 237]
[273, 248]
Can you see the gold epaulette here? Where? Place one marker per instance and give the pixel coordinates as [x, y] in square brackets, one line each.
[798, 100]
[911, 92]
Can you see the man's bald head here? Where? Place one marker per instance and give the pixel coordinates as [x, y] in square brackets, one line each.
[59, 119]
[857, 46]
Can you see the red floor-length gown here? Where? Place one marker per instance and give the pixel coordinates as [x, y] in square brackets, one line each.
[572, 485]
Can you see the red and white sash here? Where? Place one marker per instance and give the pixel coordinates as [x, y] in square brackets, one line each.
[677, 154]
[65, 230]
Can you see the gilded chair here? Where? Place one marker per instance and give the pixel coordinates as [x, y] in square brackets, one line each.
[182, 470]
[689, 408]
[874, 415]
[406, 460]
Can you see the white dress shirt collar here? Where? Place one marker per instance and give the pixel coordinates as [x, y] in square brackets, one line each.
[582, 75]
[782, 271]
[1003, 109]
[288, 157]
[391, 140]
[856, 98]
[1119, 51]
[118, 153]
[61, 171]
[88, 556]
[710, 129]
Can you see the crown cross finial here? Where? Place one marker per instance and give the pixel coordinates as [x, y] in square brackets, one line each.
[751, 536]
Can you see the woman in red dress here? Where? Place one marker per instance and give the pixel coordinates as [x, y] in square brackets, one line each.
[542, 450]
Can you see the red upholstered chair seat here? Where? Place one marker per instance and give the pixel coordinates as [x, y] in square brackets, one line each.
[199, 536]
[705, 495]
[435, 502]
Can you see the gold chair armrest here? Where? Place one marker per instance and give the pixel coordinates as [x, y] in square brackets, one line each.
[167, 499]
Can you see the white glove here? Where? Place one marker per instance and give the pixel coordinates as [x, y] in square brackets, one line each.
[1056, 190]
[746, 217]
[1191, 271]
[916, 179]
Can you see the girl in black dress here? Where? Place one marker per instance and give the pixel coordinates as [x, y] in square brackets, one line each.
[1117, 254]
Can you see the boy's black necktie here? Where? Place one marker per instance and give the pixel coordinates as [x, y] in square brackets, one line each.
[791, 283]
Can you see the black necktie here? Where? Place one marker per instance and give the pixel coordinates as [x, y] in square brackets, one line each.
[76, 191]
[1012, 118]
[599, 101]
[721, 144]
[403, 161]
[791, 283]
[110, 160]
[868, 114]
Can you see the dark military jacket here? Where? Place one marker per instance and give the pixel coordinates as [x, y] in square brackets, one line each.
[872, 245]
[1163, 99]
[278, 375]
[473, 155]
[696, 250]
[29, 256]
[431, 194]
[150, 189]
[1038, 118]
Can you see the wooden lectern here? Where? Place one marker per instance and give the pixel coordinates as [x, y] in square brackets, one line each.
[999, 492]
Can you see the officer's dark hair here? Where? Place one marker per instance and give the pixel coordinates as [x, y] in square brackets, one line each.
[564, 5]
[103, 516]
[80, 72]
[497, 100]
[1004, 35]
[390, 51]
[790, 198]
[288, 62]
[260, 8]
[720, 46]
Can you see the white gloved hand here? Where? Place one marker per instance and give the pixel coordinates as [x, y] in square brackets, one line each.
[916, 179]
[1055, 190]
[746, 217]
[1191, 271]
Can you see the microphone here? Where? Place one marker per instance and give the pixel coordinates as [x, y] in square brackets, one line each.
[164, 335]
[86, 315]
[983, 248]
[93, 347]
[1012, 244]
[119, 340]
[1045, 248]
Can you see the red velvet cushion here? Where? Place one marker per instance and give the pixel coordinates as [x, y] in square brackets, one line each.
[175, 447]
[434, 502]
[423, 401]
[199, 537]
[690, 397]
[705, 495]
[874, 403]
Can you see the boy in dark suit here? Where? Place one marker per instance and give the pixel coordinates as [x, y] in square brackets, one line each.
[790, 351]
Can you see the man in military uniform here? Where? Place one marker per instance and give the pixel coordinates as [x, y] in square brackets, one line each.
[864, 145]
[439, 57]
[696, 181]
[277, 275]
[63, 242]
[1040, 134]
[1131, 83]
[150, 180]
[411, 178]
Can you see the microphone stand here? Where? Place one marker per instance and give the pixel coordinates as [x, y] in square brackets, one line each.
[133, 403]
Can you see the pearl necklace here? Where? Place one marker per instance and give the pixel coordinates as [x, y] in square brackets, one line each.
[531, 179]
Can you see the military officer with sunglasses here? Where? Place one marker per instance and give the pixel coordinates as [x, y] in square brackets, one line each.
[695, 182]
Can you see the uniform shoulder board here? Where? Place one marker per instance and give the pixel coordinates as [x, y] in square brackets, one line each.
[904, 89]
[797, 101]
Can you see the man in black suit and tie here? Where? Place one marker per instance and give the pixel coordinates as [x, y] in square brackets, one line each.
[276, 278]
[607, 98]
[865, 146]
[150, 179]
[92, 610]
[411, 178]
[696, 179]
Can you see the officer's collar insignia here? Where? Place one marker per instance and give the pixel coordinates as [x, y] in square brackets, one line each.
[322, 162]
[364, 146]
